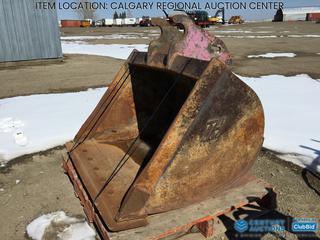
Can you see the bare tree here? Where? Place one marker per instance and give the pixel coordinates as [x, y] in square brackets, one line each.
[85, 10]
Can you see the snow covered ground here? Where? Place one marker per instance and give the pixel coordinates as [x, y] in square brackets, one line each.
[304, 36]
[38, 122]
[267, 36]
[120, 51]
[82, 37]
[272, 55]
[109, 36]
[239, 31]
[246, 36]
[58, 225]
[292, 115]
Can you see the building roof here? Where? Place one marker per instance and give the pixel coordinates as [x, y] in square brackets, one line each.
[301, 10]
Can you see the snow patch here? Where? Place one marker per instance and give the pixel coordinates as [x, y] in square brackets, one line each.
[304, 36]
[20, 139]
[263, 27]
[154, 34]
[232, 31]
[35, 123]
[269, 36]
[247, 36]
[152, 31]
[239, 31]
[120, 51]
[109, 37]
[272, 55]
[81, 37]
[8, 125]
[58, 225]
[292, 118]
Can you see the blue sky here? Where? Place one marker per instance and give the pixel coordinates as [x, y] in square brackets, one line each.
[247, 14]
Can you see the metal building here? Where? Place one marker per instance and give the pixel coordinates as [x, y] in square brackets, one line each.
[27, 33]
[295, 14]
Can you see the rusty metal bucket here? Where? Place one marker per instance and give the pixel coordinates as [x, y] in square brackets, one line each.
[174, 128]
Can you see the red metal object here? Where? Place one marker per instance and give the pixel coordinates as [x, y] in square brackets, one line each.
[313, 16]
[176, 127]
[70, 23]
[206, 228]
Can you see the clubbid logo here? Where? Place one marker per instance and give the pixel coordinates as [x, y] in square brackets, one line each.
[241, 226]
[304, 225]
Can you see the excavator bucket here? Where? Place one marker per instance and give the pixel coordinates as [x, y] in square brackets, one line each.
[174, 128]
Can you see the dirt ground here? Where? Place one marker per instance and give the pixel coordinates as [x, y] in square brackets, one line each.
[35, 184]
[74, 73]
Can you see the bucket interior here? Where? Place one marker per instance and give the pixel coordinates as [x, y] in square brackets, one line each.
[158, 97]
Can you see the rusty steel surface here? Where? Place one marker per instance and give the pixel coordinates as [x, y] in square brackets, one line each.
[174, 128]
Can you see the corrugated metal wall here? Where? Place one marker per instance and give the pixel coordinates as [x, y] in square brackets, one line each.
[27, 33]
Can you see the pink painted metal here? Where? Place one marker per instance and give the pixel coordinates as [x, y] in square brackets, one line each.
[181, 37]
[198, 43]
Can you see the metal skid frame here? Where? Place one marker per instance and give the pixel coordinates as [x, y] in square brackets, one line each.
[253, 196]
